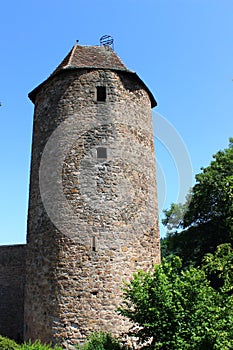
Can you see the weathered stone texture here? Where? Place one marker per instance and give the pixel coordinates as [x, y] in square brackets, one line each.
[12, 274]
[106, 219]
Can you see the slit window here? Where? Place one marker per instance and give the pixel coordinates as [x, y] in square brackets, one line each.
[94, 243]
[101, 153]
[101, 93]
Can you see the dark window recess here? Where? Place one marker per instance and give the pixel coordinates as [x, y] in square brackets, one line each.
[101, 93]
[101, 153]
[94, 244]
[94, 292]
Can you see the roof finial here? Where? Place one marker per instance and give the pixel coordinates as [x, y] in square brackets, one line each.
[107, 40]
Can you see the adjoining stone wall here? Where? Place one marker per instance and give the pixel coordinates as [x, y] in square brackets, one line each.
[92, 222]
[12, 277]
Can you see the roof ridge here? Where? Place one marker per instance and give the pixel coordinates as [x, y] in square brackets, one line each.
[71, 55]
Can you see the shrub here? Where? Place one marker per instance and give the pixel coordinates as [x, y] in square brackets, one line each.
[38, 346]
[8, 344]
[175, 309]
[103, 341]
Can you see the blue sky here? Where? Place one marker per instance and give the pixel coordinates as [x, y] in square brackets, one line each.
[182, 49]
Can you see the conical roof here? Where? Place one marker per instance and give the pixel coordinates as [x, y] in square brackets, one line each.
[92, 57]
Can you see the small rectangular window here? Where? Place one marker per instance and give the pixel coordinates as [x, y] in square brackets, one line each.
[101, 93]
[101, 153]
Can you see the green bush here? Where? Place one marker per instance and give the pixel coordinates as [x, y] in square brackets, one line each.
[175, 309]
[8, 344]
[96, 341]
[38, 346]
[103, 341]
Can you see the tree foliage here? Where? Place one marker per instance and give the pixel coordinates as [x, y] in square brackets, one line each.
[219, 269]
[212, 195]
[206, 219]
[179, 309]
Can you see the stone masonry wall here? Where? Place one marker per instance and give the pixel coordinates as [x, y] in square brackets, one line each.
[92, 220]
[12, 274]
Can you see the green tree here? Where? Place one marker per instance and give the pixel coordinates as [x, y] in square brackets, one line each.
[212, 195]
[206, 219]
[171, 308]
[174, 216]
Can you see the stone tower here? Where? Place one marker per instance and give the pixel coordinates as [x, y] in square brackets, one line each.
[93, 216]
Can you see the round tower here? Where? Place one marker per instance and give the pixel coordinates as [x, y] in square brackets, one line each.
[93, 217]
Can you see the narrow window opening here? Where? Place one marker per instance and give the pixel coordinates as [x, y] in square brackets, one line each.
[101, 153]
[94, 293]
[94, 244]
[101, 93]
